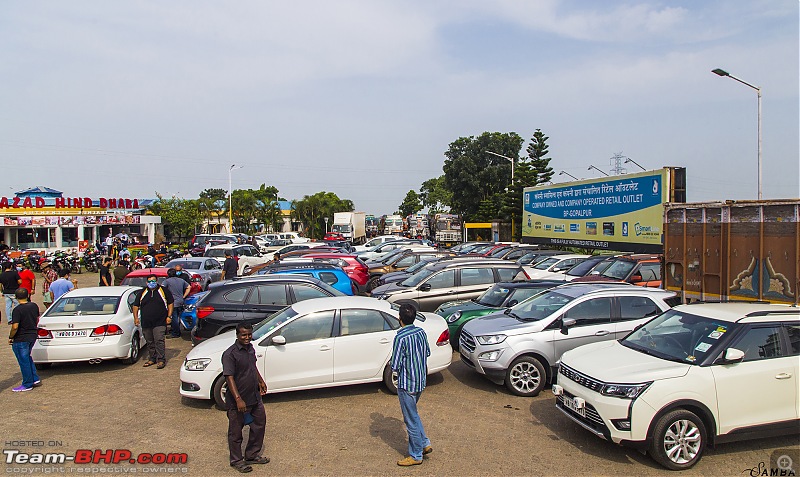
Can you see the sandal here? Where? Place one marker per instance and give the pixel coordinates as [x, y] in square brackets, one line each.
[148, 363]
[161, 365]
[243, 467]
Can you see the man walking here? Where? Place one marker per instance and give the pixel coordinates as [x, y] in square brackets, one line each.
[179, 290]
[120, 272]
[243, 401]
[105, 273]
[409, 360]
[48, 277]
[10, 280]
[22, 337]
[28, 279]
[63, 284]
[155, 304]
[230, 267]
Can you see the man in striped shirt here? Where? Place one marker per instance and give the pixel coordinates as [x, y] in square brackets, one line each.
[409, 360]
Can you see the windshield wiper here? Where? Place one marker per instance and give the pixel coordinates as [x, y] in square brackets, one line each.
[513, 315]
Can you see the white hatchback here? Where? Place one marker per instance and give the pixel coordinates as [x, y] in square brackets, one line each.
[89, 324]
[697, 375]
[317, 343]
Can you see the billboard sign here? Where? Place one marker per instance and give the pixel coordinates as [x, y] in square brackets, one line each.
[623, 213]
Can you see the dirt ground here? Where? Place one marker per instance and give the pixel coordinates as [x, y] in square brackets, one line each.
[476, 428]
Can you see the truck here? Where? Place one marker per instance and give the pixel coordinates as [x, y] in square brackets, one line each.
[417, 225]
[372, 225]
[393, 225]
[448, 229]
[733, 250]
[352, 226]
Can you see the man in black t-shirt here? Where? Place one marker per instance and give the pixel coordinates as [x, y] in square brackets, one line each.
[154, 306]
[10, 280]
[105, 273]
[243, 400]
[24, 321]
[230, 267]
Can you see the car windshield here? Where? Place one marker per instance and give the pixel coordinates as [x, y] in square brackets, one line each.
[546, 263]
[418, 266]
[391, 256]
[582, 268]
[417, 278]
[528, 258]
[216, 252]
[186, 264]
[494, 296]
[499, 252]
[263, 328]
[84, 305]
[619, 269]
[539, 306]
[679, 336]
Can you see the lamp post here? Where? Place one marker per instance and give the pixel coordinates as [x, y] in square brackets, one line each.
[230, 197]
[567, 173]
[513, 163]
[326, 225]
[627, 160]
[721, 72]
[598, 170]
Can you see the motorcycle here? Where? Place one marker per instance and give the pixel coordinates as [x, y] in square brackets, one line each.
[91, 260]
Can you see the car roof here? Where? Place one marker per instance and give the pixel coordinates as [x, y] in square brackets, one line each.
[267, 277]
[230, 245]
[574, 290]
[100, 291]
[188, 259]
[530, 283]
[157, 271]
[471, 263]
[308, 306]
[743, 312]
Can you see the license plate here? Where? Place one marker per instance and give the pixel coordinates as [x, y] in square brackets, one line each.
[71, 334]
[569, 403]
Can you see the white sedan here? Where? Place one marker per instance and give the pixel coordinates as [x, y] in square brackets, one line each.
[315, 344]
[89, 324]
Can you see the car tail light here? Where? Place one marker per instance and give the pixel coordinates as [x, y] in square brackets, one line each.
[107, 330]
[204, 311]
[196, 278]
[444, 338]
[44, 334]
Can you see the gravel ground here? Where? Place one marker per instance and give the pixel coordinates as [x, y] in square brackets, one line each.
[476, 428]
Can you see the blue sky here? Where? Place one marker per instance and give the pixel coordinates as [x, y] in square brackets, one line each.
[362, 98]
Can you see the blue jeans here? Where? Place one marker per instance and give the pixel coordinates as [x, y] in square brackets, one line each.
[11, 303]
[22, 350]
[417, 440]
[175, 326]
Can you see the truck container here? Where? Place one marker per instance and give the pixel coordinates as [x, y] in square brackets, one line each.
[393, 225]
[352, 226]
[733, 250]
[448, 229]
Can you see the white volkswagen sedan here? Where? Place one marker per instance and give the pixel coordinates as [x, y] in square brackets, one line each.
[89, 324]
[314, 344]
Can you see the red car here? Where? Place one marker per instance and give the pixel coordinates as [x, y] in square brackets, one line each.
[353, 266]
[333, 236]
[138, 278]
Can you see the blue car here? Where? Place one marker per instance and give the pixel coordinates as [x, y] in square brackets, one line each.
[325, 272]
[189, 315]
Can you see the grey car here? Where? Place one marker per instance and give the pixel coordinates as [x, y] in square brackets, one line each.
[208, 268]
[521, 346]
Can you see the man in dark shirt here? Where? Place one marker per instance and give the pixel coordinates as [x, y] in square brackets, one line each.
[120, 272]
[179, 290]
[105, 273]
[24, 321]
[10, 280]
[155, 305]
[230, 267]
[243, 400]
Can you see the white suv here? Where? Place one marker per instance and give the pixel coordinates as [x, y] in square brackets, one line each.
[696, 375]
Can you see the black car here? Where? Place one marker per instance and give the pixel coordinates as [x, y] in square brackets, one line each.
[252, 299]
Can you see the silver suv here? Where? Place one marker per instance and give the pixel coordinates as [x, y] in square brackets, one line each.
[521, 346]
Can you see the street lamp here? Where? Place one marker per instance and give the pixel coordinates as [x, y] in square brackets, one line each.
[567, 173]
[513, 163]
[627, 160]
[598, 170]
[230, 197]
[721, 72]
[326, 225]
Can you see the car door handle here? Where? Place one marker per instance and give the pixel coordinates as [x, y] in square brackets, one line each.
[384, 341]
[602, 333]
[452, 292]
[324, 348]
[783, 376]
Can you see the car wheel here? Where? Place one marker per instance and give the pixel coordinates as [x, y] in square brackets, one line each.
[390, 379]
[246, 270]
[372, 283]
[526, 376]
[679, 438]
[43, 365]
[219, 392]
[133, 357]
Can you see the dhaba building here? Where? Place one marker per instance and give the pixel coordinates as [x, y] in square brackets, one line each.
[42, 218]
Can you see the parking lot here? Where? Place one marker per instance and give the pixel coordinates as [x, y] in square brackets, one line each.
[476, 428]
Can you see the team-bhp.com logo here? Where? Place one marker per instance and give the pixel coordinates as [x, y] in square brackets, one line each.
[96, 456]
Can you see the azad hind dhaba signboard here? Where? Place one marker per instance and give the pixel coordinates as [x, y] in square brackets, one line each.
[623, 213]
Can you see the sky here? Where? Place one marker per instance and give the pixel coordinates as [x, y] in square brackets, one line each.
[363, 97]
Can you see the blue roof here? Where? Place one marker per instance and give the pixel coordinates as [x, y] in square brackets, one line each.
[39, 191]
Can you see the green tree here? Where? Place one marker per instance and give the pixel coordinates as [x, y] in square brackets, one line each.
[180, 217]
[411, 204]
[212, 204]
[268, 211]
[434, 196]
[312, 210]
[537, 152]
[472, 175]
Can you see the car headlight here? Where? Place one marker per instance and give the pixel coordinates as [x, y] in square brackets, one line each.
[490, 339]
[624, 391]
[490, 355]
[199, 364]
[454, 317]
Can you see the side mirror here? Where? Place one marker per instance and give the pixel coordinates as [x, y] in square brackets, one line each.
[278, 340]
[636, 278]
[731, 356]
[566, 323]
[425, 287]
[511, 303]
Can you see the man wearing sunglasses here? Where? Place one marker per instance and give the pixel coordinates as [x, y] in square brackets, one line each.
[154, 306]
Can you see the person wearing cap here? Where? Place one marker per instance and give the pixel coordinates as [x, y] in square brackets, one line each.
[230, 267]
[48, 277]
